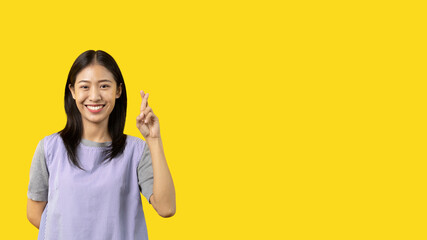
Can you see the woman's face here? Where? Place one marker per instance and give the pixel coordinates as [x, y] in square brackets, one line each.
[95, 92]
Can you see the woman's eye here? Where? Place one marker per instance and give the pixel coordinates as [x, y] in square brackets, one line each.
[83, 87]
[105, 86]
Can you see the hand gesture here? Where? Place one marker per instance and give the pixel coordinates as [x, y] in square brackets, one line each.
[147, 122]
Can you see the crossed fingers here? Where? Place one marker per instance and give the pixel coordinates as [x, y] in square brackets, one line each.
[145, 111]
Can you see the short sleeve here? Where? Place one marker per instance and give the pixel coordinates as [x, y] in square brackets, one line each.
[145, 174]
[39, 175]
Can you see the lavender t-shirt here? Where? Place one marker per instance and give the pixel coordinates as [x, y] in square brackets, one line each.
[102, 203]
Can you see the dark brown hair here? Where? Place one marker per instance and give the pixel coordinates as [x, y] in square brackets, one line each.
[73, 131]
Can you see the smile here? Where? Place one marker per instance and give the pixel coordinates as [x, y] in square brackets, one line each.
[95, 108]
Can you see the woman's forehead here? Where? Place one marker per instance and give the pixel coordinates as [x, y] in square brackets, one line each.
[94, 73]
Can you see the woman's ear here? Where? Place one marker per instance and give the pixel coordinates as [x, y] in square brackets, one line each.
[72, 90]
[119, 91]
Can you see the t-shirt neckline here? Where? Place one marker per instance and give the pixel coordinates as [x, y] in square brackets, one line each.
[90, 143]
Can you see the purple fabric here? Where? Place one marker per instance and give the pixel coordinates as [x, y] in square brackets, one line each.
[103, 203]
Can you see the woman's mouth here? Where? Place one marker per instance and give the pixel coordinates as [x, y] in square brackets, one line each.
[95, 108]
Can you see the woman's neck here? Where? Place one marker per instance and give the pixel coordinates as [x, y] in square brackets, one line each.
[96, 132]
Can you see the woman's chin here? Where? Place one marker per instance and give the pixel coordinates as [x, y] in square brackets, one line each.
[96, 120]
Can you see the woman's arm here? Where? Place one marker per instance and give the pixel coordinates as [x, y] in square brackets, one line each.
[163, 197]
[34, 211]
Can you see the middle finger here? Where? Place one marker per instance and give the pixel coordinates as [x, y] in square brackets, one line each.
[147, 110]
[144, 103]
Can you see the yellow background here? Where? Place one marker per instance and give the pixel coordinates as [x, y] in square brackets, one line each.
[280, 119]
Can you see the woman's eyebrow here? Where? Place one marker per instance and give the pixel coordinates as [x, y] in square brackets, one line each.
[103, 80]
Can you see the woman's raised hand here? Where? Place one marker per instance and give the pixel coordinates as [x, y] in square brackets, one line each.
[147, 122]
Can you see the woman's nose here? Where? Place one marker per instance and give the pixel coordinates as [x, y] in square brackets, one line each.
[94, 94]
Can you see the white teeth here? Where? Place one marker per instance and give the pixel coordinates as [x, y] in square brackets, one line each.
[95, 108]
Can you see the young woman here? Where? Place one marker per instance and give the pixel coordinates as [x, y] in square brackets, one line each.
[86, 180]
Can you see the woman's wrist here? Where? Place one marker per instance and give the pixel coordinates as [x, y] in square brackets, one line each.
[153, 141]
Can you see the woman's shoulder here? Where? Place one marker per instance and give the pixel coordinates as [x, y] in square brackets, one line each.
[49, 144]
[134, 140]
[135, 143]
[50, 138]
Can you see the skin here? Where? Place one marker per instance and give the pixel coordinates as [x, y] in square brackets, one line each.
[163, 198]
[96, 85]
[35, 211]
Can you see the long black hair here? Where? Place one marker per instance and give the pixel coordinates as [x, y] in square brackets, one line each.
[73, 131]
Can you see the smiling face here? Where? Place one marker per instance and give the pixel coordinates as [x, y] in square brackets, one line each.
[95, 92]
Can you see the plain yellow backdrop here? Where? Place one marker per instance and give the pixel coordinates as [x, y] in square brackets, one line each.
[279, 119]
